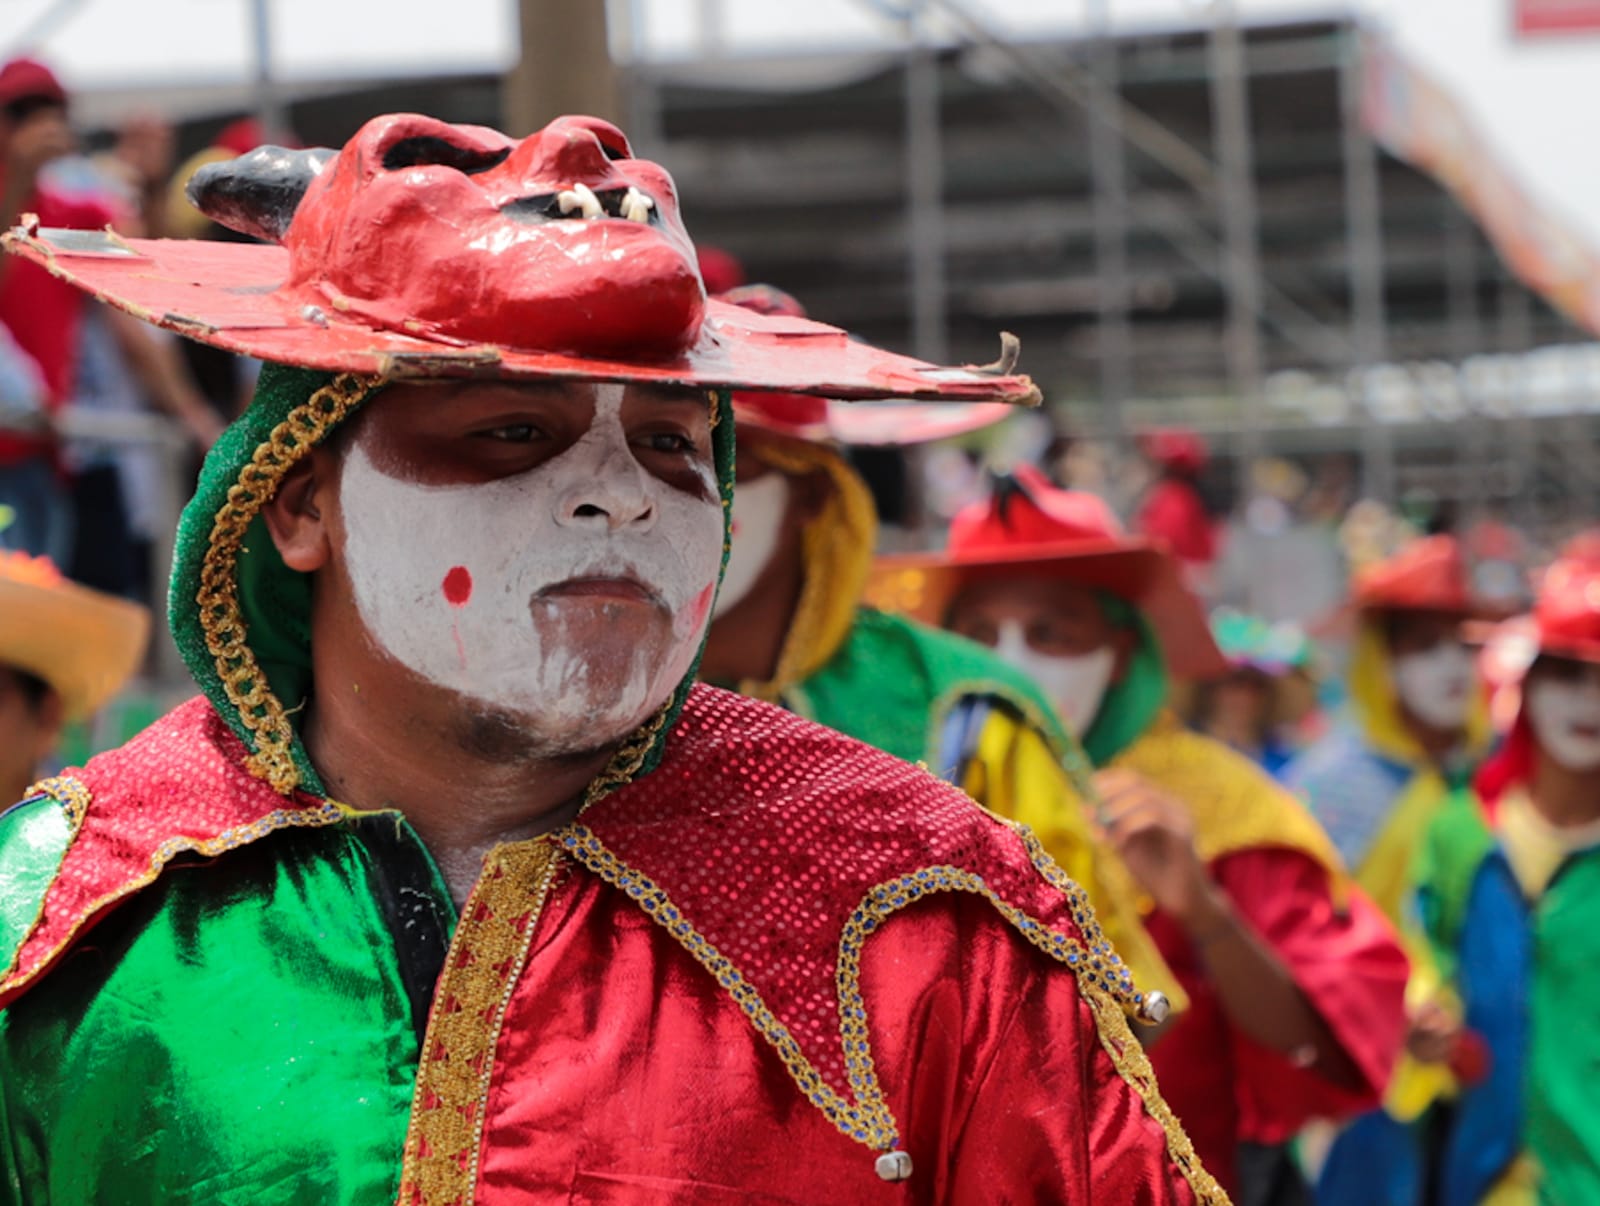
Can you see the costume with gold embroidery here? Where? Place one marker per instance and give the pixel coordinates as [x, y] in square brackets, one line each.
[764, 964]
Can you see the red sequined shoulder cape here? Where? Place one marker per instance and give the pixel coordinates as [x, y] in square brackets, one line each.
[769, 848]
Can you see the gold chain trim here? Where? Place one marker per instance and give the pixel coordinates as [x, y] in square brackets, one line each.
[218, 597]
[487, 954]
[1102, 979]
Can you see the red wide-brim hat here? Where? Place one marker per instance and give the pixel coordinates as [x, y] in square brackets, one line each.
[423, 249]
[1428, 574]
[1029, 528]
[891, 423]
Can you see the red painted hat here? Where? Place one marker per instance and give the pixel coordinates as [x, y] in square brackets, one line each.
[424, 249]
[1428, 574]
[1566, 614]
[1029, 528]
[808, 417]
[29, 79]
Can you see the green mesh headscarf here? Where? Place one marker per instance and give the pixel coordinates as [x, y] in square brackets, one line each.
[1131, 704]
[293, 410]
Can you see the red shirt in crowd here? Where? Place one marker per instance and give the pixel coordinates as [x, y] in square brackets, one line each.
[43, 313]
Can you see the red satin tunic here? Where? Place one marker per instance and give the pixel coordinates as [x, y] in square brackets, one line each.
[987, 1053]
[1224, 1086]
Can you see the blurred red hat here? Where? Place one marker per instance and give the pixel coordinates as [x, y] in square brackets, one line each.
[720, 270]
[1428, 574]
[1029, 527]
[1566, 615]
[1175, 448]
[29, 79]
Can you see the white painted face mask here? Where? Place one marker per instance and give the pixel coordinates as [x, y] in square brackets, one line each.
[1076, 685]
[1565, 719]
[1436, 685]
[759, 506]
[448, 581]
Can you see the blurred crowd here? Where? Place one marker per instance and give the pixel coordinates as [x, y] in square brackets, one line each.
[1330, 772]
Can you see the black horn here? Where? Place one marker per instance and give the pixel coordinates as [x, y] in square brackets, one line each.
[257, 194]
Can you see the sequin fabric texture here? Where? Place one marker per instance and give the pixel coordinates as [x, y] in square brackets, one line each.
[770, 875]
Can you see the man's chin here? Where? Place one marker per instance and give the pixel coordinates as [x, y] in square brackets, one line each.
[514, 735]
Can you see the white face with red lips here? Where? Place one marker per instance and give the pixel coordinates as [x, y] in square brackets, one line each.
[571, 597]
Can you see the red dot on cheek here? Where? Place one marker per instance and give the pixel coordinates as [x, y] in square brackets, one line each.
[457, 586]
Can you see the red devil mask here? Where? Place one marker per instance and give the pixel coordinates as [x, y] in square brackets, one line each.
[560, 242]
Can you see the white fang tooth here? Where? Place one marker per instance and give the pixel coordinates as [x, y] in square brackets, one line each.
[580, 197]
[636, 206]
[591, 203]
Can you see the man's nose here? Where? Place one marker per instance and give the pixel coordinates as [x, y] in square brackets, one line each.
[614, 493]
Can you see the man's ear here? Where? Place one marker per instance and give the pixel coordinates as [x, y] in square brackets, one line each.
[297, 515]
[809, 493]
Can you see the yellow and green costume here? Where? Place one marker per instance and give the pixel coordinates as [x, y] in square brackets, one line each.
[928, 696]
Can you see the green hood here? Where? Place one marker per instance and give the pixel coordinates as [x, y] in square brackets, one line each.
[242, 619]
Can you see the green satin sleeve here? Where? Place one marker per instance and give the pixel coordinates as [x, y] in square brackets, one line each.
[33, 836]
[241, 1031]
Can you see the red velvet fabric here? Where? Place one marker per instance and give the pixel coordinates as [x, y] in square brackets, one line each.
[1225, 1087]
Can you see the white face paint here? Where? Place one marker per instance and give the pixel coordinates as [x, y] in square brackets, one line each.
[1565, 718]
[475, 587]
[759, 506]
[1436, 685]
[1076, 685]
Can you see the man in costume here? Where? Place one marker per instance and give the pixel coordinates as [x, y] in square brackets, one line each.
[1417, 728]
[64, 651]
[1418, 721]
[1510, 893]
[1258, 706]
[790, 627]
[454, 887]
[1294, 980]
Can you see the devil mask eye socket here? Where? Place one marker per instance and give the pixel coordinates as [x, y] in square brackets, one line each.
[431, 150]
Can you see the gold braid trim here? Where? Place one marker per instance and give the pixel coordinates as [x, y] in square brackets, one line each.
[487, 954]
[221, 620]
[865, 1115]
[74, 797]
[449, 1105]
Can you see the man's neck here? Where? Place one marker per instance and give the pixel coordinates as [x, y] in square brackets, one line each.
[1438, 744]
[381, 753]
[1565, 798]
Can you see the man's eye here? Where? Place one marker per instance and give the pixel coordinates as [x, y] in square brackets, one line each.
[511, 433]
[668, 441]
